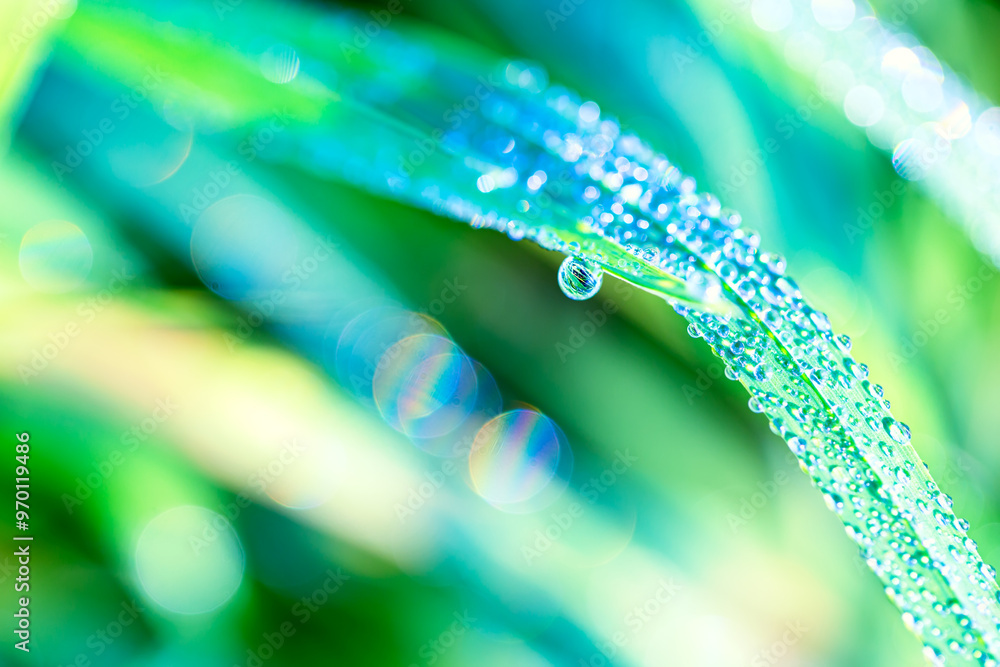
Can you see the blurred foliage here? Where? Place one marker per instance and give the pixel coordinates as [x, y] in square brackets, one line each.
[637, 384]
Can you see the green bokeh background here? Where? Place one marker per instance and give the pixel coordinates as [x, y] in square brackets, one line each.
[714, 504]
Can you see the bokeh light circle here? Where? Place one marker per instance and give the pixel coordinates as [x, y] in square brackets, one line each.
[487, 405]
[957, 122]
[147, 151]
[915, 157]
[589, 112]
[835, 79]
[987, 131]
[366, 338]
[55, 256]
[804, 52]
[279, 64]
[922, 90]
[883, 133]
[906, 160]
[898, 62]
[189, 560]
[242, 247]
[929, 62]
[425, 386]
[834, 14]
[771, 15]
[516, 456]
[863, 106]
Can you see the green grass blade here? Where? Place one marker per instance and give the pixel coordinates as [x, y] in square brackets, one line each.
[629, 209]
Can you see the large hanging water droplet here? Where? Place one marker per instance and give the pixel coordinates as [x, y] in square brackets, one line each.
[579, 279]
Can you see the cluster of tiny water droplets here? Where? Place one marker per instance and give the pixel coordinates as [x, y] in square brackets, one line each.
[537, 162]
[937, 129]
[799, 373]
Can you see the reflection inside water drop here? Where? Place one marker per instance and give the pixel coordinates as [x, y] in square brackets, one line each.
[579, 279]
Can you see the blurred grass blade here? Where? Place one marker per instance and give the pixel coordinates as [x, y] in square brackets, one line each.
[629, 210]
[26, 27]
[349, 126]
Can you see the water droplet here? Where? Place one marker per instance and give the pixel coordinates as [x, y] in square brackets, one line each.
[860, 371]
[898, 431]
[280, 63]
[579, 279]
[797, 445]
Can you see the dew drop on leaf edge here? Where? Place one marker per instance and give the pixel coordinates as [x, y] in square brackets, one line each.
[579, 279]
